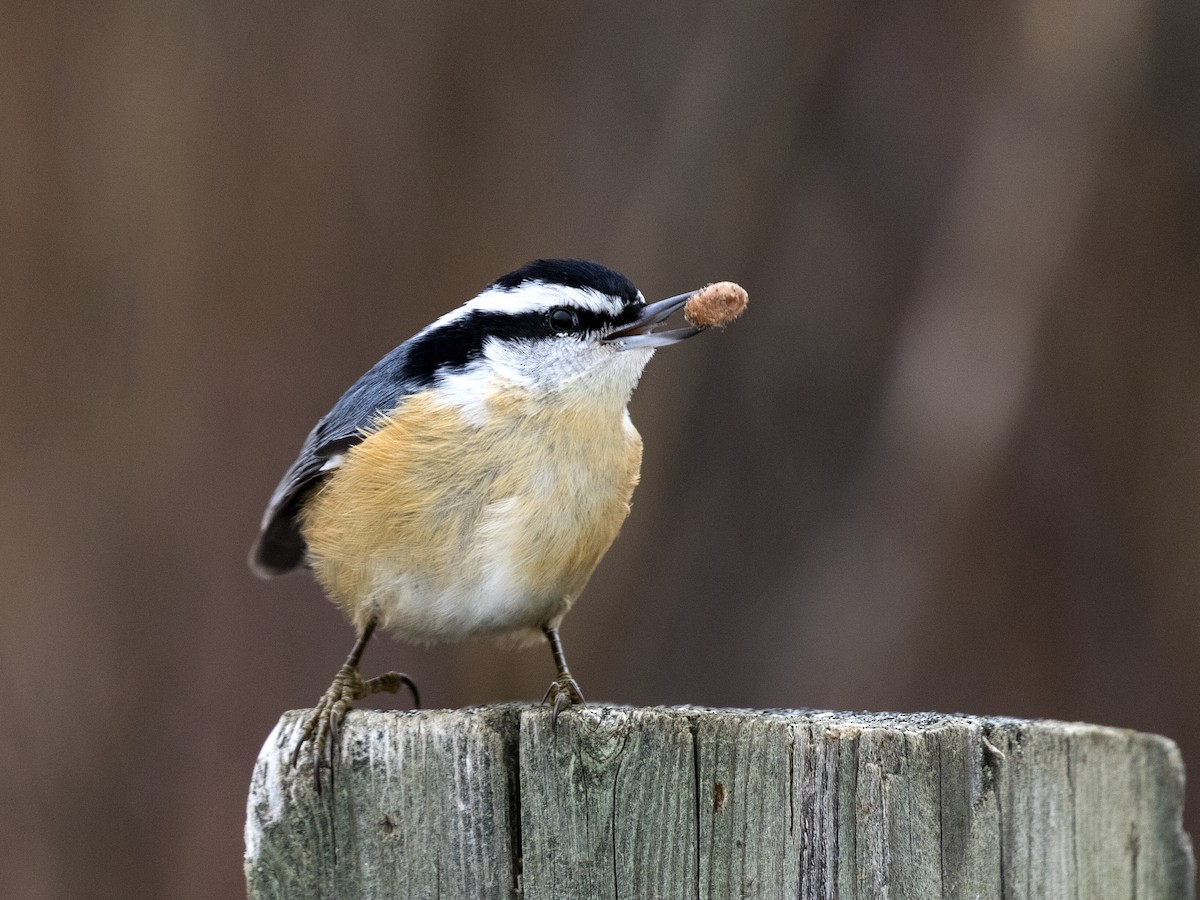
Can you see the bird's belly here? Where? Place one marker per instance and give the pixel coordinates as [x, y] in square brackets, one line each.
[487, 582]
[440, 542]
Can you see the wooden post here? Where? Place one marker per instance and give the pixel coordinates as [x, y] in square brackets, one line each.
[701, 803]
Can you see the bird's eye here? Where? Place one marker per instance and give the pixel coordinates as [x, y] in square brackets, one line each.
[563, 319]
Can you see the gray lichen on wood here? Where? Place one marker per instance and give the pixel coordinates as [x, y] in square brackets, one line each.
[701, 803]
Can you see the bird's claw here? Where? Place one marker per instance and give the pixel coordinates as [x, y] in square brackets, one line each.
[326, 716]
[324, 724]
[562, 694]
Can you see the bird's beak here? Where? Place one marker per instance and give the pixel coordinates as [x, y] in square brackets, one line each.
[640, 333]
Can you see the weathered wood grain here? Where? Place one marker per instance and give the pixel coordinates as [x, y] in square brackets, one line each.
[698, 803]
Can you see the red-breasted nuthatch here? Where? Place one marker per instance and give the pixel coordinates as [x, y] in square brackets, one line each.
[469, 483]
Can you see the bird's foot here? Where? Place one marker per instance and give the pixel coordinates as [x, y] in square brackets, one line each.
[321, 728]
[563, 693]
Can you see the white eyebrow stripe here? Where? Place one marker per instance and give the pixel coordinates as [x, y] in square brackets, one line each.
[536, 296]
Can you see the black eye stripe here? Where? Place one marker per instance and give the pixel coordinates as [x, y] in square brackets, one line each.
[627, 316]
[592, 321]
[454, 345]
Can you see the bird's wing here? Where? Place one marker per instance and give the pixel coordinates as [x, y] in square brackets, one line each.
[280, 546]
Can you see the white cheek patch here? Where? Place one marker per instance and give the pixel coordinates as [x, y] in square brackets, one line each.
[542, 364]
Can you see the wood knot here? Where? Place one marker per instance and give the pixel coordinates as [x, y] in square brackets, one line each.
[718, 795]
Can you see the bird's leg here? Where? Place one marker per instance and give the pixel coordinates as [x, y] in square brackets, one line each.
[348, 686]
[564, 690]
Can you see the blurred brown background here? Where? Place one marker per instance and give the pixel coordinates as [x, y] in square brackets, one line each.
[950, 459]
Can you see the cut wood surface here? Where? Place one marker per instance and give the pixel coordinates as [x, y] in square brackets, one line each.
[687, 802]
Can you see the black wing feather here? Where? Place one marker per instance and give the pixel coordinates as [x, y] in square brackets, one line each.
[280, 546]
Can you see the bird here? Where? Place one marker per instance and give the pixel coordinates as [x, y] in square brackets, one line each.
[470, 482]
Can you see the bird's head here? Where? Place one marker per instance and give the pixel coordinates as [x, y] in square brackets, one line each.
[555, 325]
